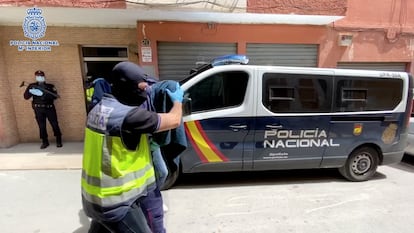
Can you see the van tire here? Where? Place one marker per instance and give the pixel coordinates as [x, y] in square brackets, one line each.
[361, 164]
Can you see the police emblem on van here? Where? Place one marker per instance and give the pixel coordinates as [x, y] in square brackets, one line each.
[357, 129]
[34, 25]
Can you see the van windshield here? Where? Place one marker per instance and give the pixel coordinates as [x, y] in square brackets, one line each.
[196, 71]
[218, 61]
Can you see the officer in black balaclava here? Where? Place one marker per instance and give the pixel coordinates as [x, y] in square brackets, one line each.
[117, 127]
[125, 78]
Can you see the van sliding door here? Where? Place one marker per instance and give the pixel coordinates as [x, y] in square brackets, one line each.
[292, 127]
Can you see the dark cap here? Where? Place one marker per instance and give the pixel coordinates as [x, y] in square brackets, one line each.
[124, 79]
[128, 71]
[39, 72]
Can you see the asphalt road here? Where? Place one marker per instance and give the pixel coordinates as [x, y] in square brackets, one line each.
[299, 201]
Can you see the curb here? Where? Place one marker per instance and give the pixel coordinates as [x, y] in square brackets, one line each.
[28, 156]
[40, 162]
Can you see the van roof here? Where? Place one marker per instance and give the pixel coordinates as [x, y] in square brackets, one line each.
[242, 60]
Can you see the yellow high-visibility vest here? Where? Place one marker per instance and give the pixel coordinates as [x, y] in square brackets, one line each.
[89, 93]
[113, 176]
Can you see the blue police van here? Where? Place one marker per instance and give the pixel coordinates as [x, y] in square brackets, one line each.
[241, 117]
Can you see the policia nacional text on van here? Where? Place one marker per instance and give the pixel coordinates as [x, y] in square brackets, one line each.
[242, 117]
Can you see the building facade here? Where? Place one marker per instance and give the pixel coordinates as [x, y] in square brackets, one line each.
[169, 38]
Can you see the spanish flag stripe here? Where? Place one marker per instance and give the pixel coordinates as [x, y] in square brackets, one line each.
[197, 150]
[200, 142]
[211, 145]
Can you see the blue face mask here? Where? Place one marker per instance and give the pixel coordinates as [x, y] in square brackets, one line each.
[40, 79]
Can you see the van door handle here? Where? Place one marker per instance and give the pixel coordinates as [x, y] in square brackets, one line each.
[274, 126]
[236, 128]
[390, 119]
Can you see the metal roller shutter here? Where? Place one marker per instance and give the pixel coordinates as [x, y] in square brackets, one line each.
[176, 59]
[305, 55]
[385, 66]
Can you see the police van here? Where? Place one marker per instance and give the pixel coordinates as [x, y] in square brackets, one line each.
[241, 117]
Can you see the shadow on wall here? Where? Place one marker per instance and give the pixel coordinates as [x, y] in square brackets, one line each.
[383, 42]
[365, 46]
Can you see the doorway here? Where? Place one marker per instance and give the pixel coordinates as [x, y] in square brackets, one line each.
[98, 62]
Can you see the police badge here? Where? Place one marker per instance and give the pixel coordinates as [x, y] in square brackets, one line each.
[34, 25]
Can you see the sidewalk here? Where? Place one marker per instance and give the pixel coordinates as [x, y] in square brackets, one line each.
[28, 156]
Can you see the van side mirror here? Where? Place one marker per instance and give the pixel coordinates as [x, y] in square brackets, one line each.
[186, 106]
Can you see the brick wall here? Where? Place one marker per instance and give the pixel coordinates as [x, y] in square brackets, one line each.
[8, 132]
[300, 7]
[62, 67]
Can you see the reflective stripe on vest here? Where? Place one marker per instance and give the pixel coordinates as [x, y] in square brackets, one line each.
[113, 174]
[89, 93]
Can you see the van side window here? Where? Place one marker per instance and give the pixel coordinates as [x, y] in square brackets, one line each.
[367, 94]
[292, 93]
[221, 90]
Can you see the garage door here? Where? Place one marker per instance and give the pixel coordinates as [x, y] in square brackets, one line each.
[175, 60]
[304, 55]
[386, 66]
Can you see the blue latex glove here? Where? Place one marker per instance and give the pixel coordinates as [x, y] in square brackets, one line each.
[177, 95]
[36, 92]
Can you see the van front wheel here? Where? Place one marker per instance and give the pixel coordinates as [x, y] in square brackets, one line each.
[361, 164]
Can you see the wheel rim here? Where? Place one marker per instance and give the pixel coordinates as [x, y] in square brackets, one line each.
[361, 164]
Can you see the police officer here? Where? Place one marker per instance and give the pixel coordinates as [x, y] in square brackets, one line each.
[43, 95]
[117, 171]
[96, 88]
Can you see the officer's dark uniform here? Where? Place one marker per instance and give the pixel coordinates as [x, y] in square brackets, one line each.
[45, 109]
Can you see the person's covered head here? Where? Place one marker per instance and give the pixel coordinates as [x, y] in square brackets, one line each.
[40, 76]
[91, 75]
[124, 80]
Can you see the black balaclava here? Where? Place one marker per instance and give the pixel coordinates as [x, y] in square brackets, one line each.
[124, 79]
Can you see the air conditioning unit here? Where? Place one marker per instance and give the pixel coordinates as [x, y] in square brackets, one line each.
[345, 39]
